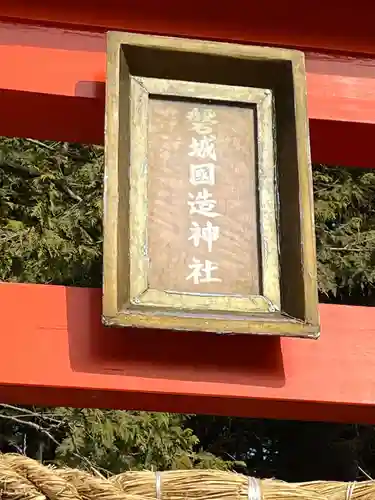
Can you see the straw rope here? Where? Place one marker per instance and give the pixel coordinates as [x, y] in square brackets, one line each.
[207, 485]
[22, 478]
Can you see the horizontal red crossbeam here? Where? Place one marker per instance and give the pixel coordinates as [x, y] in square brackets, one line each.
[52, 86]
[338, 26]
[56, 352]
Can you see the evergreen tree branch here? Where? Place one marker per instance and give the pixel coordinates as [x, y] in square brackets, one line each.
[33, 173]
[21, 169]
[25, 412]
[33, 425]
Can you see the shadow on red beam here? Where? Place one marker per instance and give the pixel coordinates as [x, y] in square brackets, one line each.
[81, 119]
[60, 354]
[339, 26]
[280, 410]
[165, 355]
[52, 117]
[346, 144]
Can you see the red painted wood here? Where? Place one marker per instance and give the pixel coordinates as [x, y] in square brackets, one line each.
[336, 26]
[56, 91]
[76, 361]
[52, 87]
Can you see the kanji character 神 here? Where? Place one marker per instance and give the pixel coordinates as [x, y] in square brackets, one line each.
[209, 234]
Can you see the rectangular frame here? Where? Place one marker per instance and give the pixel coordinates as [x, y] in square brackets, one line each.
[140, 293]
[141, 58]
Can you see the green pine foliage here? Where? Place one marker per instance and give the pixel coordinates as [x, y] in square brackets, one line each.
[109, 441]
[51, 212]
[345, 231]
[51, 232]
[116, 441]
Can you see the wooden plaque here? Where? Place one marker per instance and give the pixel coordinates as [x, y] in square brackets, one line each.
[197, 180]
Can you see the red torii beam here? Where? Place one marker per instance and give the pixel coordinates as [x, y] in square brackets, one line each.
[52, 87]
[58, 353]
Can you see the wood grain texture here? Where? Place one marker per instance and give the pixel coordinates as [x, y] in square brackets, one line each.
[78, 362]
[168, 68]
[143, 294]
[232, 242]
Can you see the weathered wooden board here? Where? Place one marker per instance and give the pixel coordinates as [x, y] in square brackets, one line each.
[202, 198]
[208, 196]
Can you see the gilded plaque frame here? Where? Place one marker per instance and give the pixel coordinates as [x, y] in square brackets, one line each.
[140, 293]
[133, 58]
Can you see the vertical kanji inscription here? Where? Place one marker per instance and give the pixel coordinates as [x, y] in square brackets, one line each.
[202, 225]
